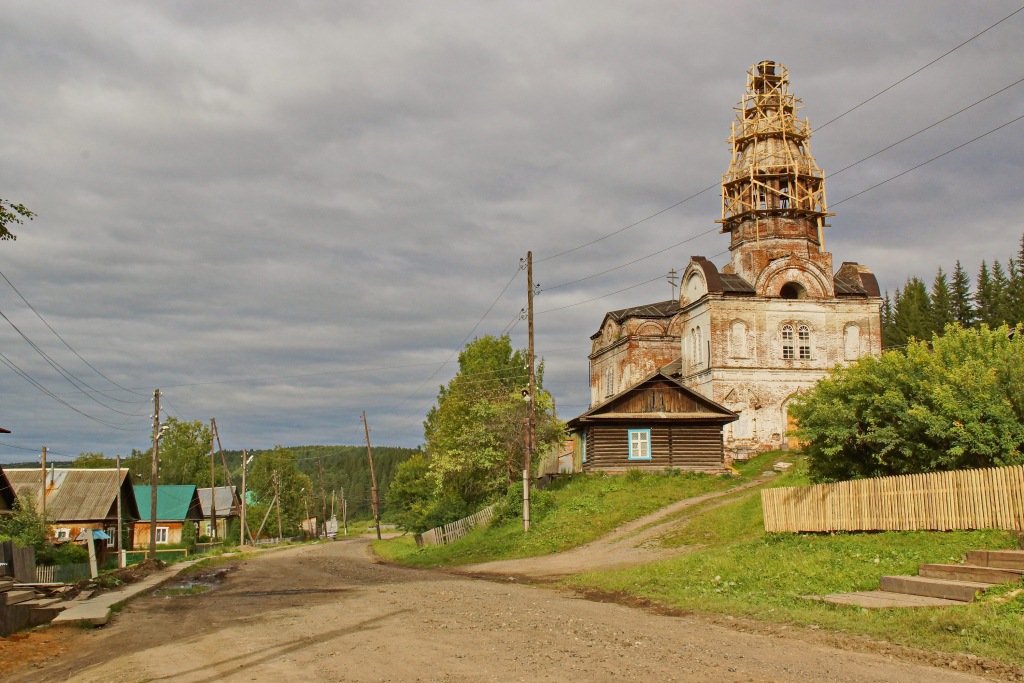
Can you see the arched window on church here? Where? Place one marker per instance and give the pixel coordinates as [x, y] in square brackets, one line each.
[609, 382]
[803, 337]
[851, 342]
[698, 352]
[787, 342]
[783, 195]
[738, 339]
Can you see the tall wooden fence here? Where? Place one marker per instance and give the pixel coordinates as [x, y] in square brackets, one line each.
[453, 531]
[965, 499]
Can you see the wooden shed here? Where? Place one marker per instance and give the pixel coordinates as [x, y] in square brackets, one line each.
[657, 424]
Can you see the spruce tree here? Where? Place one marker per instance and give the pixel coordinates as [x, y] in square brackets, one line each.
[887, 323]
[942, 303]
[1000, 294]
[963, 310]
[1015, 293]
[913, 315]
[983, 303]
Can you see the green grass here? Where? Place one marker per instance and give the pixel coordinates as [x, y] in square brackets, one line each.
[736, 568]
[573, 511]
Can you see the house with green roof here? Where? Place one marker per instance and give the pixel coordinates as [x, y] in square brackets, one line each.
[176, 506]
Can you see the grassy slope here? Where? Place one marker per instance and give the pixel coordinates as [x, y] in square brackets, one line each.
[738, 569]
[572, 512]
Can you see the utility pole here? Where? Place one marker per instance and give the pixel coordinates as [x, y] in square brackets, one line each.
[245, 458]
[120, 536]
[277, 497]
[531, 419]
[374, 503]
[213, 484]
[153, 474]
[344, 513]
[42, 495]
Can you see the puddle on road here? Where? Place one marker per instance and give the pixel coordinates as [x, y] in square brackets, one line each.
[195, 584]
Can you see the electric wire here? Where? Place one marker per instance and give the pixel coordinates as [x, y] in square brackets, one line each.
[817, 129]
[73, 380]
[63, 341]
[924, 163]
[919, 70]
[28, 378]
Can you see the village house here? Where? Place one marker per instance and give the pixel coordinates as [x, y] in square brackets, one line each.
[658, 423]
[176, 506]
[6, 494]
[775, 319]
[227, 505]
[79, 500]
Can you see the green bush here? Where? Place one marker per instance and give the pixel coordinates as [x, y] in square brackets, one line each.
[65, 553]
[188, 536]
[956, 402]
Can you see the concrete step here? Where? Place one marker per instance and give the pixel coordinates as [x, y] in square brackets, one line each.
[964, 591]
[46, 603]
[969, 572]
[14, 597]
[1006, 559]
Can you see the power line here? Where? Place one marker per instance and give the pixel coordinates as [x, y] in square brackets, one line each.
[917, 71]
[817, 128]
[927, 128]
[28, 378]
[72, 379]
[63, 341]
[924, 163]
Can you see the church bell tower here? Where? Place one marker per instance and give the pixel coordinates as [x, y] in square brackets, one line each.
[773, 193]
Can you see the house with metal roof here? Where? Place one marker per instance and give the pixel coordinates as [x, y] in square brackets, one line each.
[176, 506]
[79, 499]
[223, 500]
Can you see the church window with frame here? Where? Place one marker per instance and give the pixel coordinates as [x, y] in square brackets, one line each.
[803, 336]
[787, 342]
[783, 195]
[639, 444]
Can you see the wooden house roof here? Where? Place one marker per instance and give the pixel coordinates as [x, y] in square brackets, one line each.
[660, 396]
[75, 495]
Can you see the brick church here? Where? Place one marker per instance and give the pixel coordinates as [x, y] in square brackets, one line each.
[747, 338]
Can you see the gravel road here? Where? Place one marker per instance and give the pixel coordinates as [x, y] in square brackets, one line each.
[329, 613]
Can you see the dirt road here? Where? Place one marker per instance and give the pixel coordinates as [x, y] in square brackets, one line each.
[328, 613]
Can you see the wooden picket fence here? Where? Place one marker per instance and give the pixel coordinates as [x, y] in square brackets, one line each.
[453, 531]
[965, 499]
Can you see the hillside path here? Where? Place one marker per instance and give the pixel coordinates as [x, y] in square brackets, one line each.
[631, 544]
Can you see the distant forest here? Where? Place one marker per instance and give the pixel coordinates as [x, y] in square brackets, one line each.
[918, 311]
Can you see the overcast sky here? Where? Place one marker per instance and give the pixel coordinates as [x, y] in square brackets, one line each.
[285, 213]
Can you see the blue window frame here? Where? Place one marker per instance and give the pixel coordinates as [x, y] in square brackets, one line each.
[639, 444]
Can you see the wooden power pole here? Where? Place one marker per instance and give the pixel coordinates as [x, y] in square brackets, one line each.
[213, 482]
[153, 470]
[245, 457]
[531, 420]
[374, 503]
[42, 495]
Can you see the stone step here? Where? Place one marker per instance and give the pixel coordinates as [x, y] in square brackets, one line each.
[964, 591]
[1006, 559]
[969, 572]
[14, 597]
